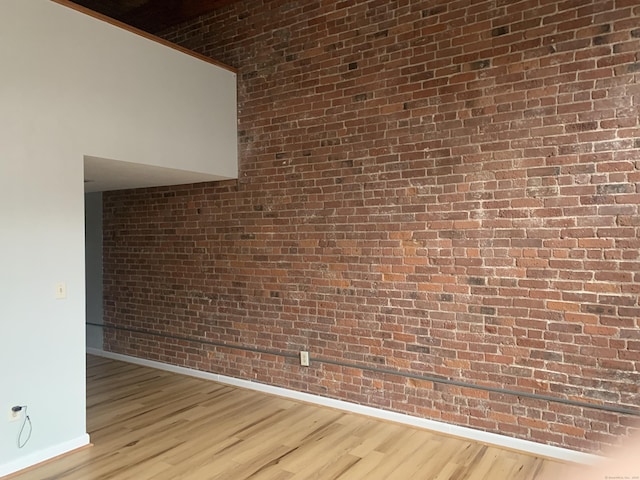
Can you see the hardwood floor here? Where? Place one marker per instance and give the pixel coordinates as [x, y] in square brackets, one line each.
[151, 424]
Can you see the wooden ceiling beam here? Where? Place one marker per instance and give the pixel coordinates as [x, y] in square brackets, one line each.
[157, 15]
[153, 16]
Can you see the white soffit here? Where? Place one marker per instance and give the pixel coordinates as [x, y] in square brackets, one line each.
[102, 174]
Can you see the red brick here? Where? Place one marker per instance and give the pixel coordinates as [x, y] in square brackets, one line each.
[378, 175]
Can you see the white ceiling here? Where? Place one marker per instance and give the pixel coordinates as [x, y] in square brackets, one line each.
[102, 174]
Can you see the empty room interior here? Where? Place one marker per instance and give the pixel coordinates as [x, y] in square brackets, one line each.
[291, 239]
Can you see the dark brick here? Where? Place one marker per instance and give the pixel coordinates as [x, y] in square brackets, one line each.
[418, 349]
[499, 31]
[481, 64]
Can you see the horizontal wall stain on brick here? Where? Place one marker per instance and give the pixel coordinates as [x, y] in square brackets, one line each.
[434, 187]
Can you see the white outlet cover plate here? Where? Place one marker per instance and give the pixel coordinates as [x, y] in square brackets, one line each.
[304, 359]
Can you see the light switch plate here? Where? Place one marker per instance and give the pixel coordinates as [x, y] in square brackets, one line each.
[61, 290]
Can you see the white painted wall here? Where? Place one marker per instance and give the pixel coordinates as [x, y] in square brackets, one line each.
[71, 86]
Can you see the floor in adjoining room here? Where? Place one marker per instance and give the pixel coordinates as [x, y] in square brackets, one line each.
[152, 424]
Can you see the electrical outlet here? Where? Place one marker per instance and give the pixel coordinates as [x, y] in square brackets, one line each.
[15, 416]
[304, 359]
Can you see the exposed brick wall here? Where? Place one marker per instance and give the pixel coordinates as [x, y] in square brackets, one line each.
[437, 188]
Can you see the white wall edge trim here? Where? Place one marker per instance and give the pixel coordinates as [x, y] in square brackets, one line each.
[526, 446]
[40, 456]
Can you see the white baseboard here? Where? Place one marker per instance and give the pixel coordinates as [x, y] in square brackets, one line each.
[43, 455]
[526, 446]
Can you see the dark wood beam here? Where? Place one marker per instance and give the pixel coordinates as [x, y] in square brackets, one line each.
[157, 15]
[153, 16]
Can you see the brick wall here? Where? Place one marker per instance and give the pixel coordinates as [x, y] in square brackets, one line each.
[428, 190]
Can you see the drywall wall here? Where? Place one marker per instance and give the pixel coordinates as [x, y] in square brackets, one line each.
[93, 268]
[75, 86]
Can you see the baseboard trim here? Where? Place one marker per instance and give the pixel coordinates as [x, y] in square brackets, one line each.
[33, 460]
[526, 446]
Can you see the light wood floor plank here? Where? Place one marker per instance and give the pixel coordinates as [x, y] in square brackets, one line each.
[151, 424]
